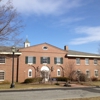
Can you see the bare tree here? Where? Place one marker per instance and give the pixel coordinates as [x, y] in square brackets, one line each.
[70, 69]
[10, 24]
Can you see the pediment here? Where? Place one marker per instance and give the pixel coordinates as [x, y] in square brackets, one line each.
[44, 47]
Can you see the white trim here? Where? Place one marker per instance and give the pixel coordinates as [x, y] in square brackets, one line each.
[95, 71]
[4, 75]
[89, 72]
[86, 61]
[58, 70]
[16, 53]
[30, 70]
[83, 56]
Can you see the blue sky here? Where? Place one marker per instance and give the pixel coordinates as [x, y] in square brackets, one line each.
[75, 23]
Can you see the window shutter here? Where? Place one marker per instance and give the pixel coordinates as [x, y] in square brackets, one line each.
[34, 60]
[48, 60]
[61, 59]
[41, 60]
[26, 60]
[55, 60]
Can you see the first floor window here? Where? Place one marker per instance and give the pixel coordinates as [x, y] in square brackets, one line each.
[58, 60]
[2, 75]
[88, 73]
[78, 61]
[95, 61]
[58, 72]
[96, 73]
[29, 73]
[2, 59]
[30, 60]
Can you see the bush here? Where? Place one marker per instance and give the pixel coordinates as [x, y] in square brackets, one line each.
[31, 80]
[83, 77]
[94, 79]
[5, 82]
[56, 83]
[60, 79]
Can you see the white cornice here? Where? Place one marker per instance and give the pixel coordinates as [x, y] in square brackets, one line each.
[90, 56]
[6, 53]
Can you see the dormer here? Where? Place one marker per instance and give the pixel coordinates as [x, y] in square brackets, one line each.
[26, 43]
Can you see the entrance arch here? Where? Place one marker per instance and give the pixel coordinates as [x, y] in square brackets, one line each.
[45, 71]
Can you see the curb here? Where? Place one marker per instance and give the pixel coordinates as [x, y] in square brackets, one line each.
[45, 89]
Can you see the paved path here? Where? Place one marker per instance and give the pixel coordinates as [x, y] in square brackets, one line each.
[58, 94]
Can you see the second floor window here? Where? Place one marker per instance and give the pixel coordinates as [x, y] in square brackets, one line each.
[30, 60]
[78, 61]
[58, 60]
[45, 60]
[2, 60]
[86, 61]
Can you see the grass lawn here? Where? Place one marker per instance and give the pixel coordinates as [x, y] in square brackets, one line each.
[95, 83]
[92, 98]
[29, 86]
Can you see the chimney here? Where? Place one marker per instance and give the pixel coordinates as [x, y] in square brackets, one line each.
[66, 47]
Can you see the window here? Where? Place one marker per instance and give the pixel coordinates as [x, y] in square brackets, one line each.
[45, 48]
[45, 60]
[58, 72]
[95, 61]
[88, 73]
[29, 73]
[30, 60]
[58, 60]
[96, 73]
[86, 61]
[2, 75]
[2, 60]
[78, 72]
[78, 61]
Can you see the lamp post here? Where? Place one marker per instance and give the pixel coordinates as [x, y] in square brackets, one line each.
[12, 84]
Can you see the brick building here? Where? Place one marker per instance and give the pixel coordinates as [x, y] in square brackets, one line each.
[31, 60]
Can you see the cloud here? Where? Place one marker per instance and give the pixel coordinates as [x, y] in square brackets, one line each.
[45, 7]
[92, 35]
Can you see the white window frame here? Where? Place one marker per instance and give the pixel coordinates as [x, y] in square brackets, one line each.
[88, 75]
[58, 60]
[45, 48]
[4, 59]
[96, 71]
[3, 76]
[58, 72]
[78, 61]
[86, 61]
[95, 61]
[29, 71]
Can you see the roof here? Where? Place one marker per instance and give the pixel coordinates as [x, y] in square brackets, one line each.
[69, 53]
[72, 53]
[7, 50]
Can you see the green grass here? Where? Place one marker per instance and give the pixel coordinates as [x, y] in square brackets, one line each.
[92, 98]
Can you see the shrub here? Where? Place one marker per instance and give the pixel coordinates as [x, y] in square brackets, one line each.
[94, 79]
[5, 82]
[60, 79]
[31, 80]
[83, 77]
[56, 83]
